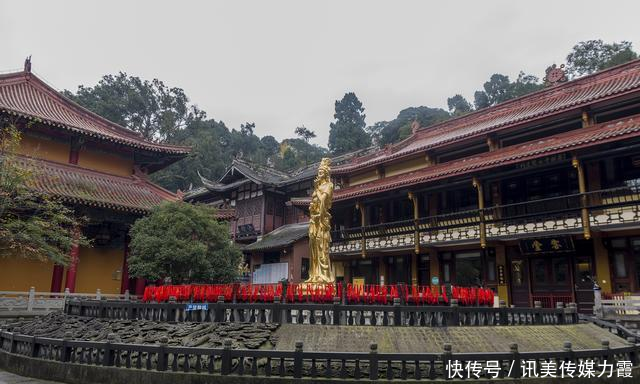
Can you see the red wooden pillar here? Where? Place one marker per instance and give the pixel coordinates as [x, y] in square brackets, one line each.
[125, 267]
[56, 279]
[74, 255]
[140, 286]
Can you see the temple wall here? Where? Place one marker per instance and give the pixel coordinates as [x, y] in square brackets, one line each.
[20, 274]
[405, 166]
[40, 148]
[363, 178]
[97, 268]
[105, 162]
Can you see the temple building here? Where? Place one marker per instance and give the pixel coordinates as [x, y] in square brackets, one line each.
[95, 166]
[271, 232]
[537, 198]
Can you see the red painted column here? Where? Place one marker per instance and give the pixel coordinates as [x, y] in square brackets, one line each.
[125, 267]
[140, 283]
[74, 255]
[56, 279]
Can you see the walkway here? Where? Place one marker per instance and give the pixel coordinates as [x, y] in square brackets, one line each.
[10, 378]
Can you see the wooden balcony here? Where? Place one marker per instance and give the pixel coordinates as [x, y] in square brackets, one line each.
[608, 209]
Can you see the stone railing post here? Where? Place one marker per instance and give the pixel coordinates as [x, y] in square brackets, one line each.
[633, 355]
[571, 313]
[566, 347]
[297, 360]
[108, 350]
[127, 295]
[226, 358]
[373, 361]
[455, 315]
[98, 294]
[504, 320]
[276, 311]
[171, 310]
[13, 345]
[219, 310]
[538, 312]
[31, 300]
[65, 356]
[162, 353]
[446, 359]
[605, 346]
[397, 313]
[597, 303]
[337, 311]
[515, 358]
[560, 313]
[33, 352]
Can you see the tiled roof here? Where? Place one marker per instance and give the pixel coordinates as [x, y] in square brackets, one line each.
[581, 138]
[25, 95]
[83, 186]
[280, 237]
[572, 95]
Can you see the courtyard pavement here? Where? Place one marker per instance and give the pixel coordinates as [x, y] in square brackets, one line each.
[10, 378]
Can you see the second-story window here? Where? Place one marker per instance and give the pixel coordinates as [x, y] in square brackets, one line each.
[457, 200]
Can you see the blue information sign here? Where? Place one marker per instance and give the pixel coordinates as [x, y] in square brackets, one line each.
[197, 307]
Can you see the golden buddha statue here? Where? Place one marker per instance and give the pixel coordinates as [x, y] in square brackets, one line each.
[320, 271]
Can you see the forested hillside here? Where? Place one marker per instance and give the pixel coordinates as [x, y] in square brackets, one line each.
[166, 114]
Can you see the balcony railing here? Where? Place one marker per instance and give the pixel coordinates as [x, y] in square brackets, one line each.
[614, 207]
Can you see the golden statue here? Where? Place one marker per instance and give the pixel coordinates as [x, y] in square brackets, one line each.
[320, 270]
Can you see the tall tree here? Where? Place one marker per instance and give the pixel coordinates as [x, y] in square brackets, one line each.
[500, 89]
[33, 225]
[347, 132]
[591, 56]
[375, 132]
[156, 111]
[400, 127]
[247, 128]
[458, 105]
[185, 243]
[305, 133]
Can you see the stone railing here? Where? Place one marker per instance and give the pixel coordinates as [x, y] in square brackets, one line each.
[336, 313]
[280, 365]
[26, 302]
[617, 307]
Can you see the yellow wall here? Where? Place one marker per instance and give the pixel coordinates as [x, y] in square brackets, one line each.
[97, 268]
[19, 274]
[363, 178]
[405, 166]
[44, 149]
[105, 162]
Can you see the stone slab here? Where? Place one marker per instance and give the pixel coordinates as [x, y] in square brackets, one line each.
[426, 339]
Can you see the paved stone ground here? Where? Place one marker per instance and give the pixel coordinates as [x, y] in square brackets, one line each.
[10, 378]
[426, 339]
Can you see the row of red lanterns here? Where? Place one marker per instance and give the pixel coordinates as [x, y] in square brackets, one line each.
[320, 293]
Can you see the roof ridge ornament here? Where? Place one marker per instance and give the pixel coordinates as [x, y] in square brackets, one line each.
[27, 64]
[555, 75]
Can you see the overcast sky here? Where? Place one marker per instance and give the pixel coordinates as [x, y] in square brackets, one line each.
[283, 64]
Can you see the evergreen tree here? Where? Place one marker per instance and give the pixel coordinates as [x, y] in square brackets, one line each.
[185, 243]
[347, 132]
[591, 56]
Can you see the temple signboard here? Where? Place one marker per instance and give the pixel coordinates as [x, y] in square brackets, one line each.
[546, 245]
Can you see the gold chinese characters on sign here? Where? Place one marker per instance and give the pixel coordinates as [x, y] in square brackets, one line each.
[320, 270]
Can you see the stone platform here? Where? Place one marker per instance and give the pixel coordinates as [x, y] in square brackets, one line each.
[423, 339]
